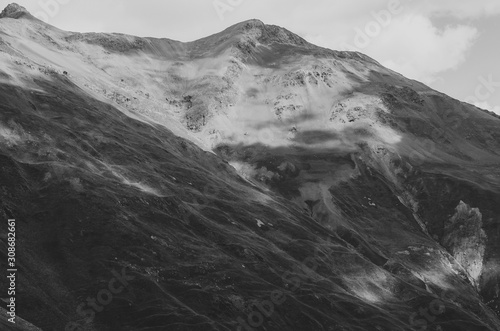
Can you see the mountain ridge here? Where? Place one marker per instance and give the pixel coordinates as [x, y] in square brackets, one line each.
[228, 173]
[269, 34]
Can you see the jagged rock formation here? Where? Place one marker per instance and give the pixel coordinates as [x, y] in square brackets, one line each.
[465, 239]
[14, 11]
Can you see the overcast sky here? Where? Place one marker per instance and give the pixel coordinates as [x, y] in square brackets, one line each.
[452, 45]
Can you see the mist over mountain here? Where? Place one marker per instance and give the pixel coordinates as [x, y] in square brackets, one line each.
[249, 180]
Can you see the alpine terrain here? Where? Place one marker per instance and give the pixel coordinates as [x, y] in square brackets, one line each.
[248, 180]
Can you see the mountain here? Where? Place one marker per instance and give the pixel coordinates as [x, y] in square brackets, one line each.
[245, 181]
[15, 11]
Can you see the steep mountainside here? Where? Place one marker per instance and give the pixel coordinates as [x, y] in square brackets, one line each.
[245, 181]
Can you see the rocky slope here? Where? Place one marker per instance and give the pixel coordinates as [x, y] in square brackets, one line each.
[247, 180]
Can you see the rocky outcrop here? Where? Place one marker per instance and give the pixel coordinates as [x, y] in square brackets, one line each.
[14, 11]
[466, 240]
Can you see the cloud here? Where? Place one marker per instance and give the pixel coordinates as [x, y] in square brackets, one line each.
[412, 46]
[407, 39]
[487, 106]
[461, 9]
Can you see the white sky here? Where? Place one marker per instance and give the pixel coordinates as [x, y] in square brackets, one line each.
[452, 45]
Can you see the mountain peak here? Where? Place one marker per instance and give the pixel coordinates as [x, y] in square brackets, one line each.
[271, 33]
[14, 11]
[252, 22]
